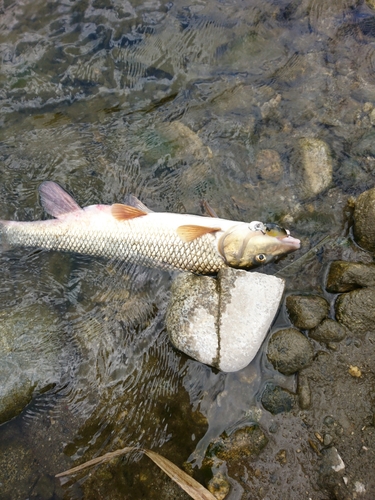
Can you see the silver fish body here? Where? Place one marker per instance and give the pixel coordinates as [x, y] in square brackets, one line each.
[201, 245]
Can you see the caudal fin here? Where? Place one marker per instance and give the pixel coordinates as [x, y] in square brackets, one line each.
[55, 200]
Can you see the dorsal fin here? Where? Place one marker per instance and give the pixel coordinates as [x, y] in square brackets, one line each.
[55, 200]
[191, 232]
[126, 212]
[131, 200]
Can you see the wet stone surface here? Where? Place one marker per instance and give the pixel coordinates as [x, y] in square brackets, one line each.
[306, 311]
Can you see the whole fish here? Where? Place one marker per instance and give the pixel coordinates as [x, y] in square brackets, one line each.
[134, 233]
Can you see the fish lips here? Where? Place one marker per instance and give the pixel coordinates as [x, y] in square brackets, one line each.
[290, 242]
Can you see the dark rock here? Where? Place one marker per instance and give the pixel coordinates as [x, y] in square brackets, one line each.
[356, 310]
[328, 331]
[289, 351]
[306, 311]
[277, 400]
[346, 276]
[244, 442]
[364, 220]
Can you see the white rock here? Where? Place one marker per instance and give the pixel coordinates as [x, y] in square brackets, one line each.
[248, 304]
[222, 322]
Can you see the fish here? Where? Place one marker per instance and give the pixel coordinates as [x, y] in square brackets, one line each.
[133, 233]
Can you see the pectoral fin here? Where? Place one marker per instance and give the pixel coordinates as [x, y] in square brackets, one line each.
[126, 212]
[191, 232]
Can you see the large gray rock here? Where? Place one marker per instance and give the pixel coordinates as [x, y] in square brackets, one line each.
[222, 322]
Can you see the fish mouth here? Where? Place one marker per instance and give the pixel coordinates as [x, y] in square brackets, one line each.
[291, 242]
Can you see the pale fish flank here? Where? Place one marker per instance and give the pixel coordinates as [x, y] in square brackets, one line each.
[133, 233]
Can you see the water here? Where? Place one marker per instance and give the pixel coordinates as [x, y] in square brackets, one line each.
[172, 102]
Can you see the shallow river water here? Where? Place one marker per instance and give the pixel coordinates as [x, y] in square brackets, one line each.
[174, 102]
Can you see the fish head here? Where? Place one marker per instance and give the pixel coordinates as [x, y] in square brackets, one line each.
[244, 247]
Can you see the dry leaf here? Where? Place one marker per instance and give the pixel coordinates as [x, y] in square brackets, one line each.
[186, 482]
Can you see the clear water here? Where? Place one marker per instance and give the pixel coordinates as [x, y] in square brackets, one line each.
[171, 102]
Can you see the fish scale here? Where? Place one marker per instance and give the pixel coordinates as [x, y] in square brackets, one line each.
[163, 249]
[135, 234]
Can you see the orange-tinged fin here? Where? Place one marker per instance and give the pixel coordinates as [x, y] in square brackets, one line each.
[126, 212]
[191, 232]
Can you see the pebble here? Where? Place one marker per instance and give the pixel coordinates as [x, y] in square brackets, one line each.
[306, 311]
[222, 322]
[289, 351]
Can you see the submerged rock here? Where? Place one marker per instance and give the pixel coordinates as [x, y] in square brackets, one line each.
[356, 310]
[222, 322]
[306, 311]
[268, 165]
[31, 356]
[289, 351]
[364, 220]
[346, 276]
[245, 442]
[315, 166]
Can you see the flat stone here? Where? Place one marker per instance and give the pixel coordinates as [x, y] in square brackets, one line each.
[222, 322]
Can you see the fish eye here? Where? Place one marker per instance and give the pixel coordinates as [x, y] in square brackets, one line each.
[260, 258]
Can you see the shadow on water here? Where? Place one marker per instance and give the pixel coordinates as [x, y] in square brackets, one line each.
[175, 103]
